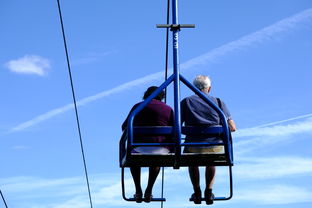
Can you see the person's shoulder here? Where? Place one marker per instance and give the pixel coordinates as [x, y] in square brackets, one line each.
[164, 107]
[157, 102]
[191, 97]
[218, 99]
[211, 97]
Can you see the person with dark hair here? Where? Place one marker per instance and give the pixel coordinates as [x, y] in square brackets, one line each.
[196, 112]
[155, 113]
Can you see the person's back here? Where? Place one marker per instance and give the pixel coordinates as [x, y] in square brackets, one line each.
[155, 113]
[196, 112]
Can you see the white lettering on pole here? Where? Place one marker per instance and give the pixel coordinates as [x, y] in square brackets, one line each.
[175, 38]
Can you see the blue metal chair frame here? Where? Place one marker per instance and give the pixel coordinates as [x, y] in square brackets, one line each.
[176, 130]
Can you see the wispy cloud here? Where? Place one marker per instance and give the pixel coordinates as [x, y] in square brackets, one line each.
[67, 192]
[29, 64]
[253, 138]
[90, 58]
[263, 168]
[274, 194]
[41, 118]
[57, 111]
[257, 37]
[285, 120]
[20, 147]
[106, 188]
[278, 130]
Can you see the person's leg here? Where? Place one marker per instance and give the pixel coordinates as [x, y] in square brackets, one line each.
[136, 175]
[153, 173]
[195, 179]
[210, 177]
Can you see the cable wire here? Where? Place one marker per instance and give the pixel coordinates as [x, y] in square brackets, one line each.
[75, 103]
[3, 199]
[166, 76]
[167, 45]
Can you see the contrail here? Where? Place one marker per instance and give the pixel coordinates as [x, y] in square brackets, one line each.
[272, 129]
[260, 36]
[283, 121]
[257, 37]
[268, 135]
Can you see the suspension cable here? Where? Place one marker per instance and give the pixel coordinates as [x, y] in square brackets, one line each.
[167, 45]
[3, 199]
[75, 103]
[166, 76]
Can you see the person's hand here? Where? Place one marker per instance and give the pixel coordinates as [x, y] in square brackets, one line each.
[232, 125]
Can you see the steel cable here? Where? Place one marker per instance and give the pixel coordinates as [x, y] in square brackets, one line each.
[6, 206]
[75, 103]
[166, 76]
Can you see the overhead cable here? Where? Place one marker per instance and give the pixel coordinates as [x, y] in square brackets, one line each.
[6, 206]
[75, 103]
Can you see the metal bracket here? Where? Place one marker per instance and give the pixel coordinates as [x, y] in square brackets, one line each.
[175, 26]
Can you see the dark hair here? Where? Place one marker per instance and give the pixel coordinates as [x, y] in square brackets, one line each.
[150, 90]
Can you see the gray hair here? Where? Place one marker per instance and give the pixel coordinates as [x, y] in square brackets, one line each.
[202, 82]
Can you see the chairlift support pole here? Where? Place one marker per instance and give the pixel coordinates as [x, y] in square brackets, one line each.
[175, 28]
[176, 71]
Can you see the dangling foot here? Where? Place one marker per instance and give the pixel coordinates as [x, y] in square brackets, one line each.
[148, 197]
[209, 196]
[196, 196]
[138, 197]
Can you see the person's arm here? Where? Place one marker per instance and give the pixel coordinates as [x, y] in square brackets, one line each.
[232, 125]
[226, 111]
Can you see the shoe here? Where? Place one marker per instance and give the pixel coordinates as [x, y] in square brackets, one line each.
[196, 197]
[209, 197]
[138, 198]
[148, 197]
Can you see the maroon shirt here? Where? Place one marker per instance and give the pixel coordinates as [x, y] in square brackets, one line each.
[155, 113]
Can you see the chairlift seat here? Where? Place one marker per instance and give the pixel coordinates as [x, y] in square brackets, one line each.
[130, 159]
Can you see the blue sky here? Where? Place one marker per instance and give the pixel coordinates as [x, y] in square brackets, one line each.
[258, 54]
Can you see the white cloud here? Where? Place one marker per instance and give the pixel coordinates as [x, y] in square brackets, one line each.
[274, 194]
[106, 188]
[68, 192]
[29, 64]
[256, 137]
[254, 168]
[259, 36]
[278, 130]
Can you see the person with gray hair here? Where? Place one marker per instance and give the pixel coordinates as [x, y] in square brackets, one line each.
[196, 112]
